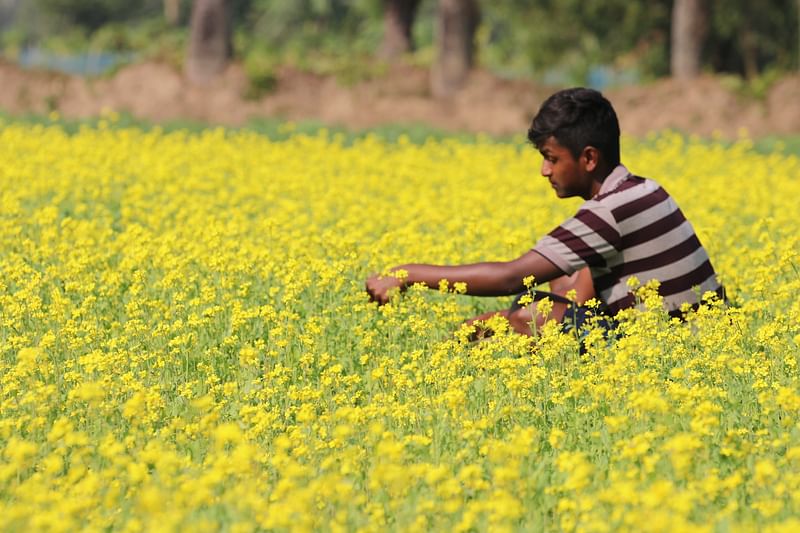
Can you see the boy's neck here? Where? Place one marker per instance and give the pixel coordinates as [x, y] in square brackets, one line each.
[602, 172]
[599, 176]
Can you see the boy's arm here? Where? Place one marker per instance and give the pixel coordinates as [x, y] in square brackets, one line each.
[482, 279]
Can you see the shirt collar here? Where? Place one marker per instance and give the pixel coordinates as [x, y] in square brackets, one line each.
[613, 180]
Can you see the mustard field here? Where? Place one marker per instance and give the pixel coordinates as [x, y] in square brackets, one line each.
[186, 343]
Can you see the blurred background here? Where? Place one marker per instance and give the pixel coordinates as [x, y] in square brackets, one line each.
[711, 67]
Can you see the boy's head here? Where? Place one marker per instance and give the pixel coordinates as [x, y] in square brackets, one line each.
[578, 118]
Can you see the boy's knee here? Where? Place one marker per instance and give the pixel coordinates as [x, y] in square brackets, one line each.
[520, 320]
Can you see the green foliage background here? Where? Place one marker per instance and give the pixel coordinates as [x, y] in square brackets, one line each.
[563, 39]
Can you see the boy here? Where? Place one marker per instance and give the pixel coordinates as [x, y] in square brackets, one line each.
[628, 226]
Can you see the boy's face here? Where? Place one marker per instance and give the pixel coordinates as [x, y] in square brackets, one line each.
[568, 176]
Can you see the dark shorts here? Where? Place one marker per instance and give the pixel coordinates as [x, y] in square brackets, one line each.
[577, 318]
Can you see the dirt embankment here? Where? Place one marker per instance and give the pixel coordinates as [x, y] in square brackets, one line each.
[489, 104]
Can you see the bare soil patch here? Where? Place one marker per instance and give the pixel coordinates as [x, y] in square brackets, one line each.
[158, 93]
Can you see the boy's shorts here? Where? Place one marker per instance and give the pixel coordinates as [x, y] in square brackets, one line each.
[575, 317]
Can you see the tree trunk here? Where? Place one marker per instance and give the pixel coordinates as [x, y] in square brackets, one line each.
[398, 21]
[8, 12]
[210, 46]
[749, 46]
[456, 23]
[172, 11]
[689, 26]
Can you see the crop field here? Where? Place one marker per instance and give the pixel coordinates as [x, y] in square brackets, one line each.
[186, 343]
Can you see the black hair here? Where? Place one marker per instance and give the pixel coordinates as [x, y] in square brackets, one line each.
[578, 118]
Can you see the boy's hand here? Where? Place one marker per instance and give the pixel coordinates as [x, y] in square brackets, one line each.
[380, 287]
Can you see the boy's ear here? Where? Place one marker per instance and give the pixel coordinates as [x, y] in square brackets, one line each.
[590, 158]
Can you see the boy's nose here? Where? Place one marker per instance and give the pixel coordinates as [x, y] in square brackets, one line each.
[547, 168]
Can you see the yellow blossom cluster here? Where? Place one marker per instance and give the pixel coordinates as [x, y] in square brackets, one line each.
[186, 344]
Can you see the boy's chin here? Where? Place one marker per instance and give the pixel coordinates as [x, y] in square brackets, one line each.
[561, 193]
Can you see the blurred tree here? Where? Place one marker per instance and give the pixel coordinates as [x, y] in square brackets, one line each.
[748, 38]
[456, 24]
[172, 11]
[398, 21]
[210, 44]
[92, 14]
[8, 9]
[597, 42]
[303, 30]
[689, 28]
[564, 41]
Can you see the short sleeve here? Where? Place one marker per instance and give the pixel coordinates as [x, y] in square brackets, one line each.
[591, 237]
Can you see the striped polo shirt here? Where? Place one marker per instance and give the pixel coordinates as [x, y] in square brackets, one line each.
[632, 227]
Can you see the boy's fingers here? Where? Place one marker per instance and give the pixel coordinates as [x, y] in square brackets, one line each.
[372, 286]
[379, 288]
[370, 291]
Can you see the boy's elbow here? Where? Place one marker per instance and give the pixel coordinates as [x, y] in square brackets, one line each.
[495, 279]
